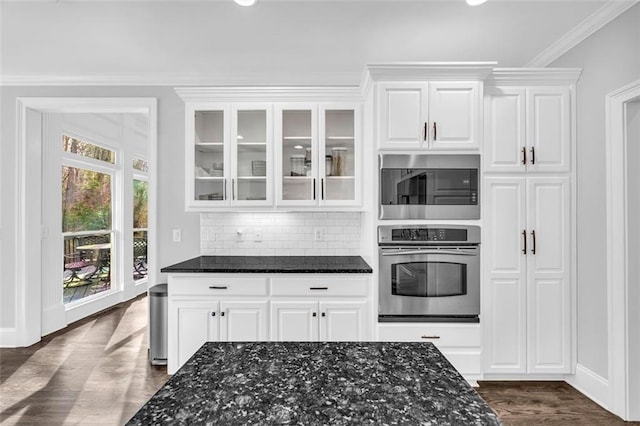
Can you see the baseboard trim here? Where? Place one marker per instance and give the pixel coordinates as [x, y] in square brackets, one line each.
[8, 337]
[590, 384]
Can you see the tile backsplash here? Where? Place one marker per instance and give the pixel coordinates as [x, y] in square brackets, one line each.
[280, 233]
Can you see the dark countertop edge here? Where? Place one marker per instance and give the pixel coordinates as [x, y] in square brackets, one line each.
[170, 270]
[271, 266]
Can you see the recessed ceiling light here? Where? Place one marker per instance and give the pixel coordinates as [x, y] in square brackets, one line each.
[472, 2]
[246, 2]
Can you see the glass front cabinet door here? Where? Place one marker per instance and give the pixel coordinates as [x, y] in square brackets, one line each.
[230, 155]
[316, 155]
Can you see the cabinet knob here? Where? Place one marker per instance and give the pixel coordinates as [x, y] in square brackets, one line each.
[222, 313]
[324, 314]
[315, 314]
[213, 314]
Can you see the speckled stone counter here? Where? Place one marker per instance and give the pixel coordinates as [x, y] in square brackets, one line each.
[309, 383]
[273, 264]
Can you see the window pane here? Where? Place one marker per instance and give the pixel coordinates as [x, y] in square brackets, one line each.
[140, 220]
[140, 202]
[86, 200]
[86, 149]
[86, 266]
[141, 165]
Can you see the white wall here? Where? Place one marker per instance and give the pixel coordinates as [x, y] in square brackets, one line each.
[282, 234]
[273, 43]
[171, 184]
[610, 59]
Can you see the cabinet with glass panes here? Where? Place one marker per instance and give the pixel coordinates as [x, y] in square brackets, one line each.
[316, 154]
[229, 157]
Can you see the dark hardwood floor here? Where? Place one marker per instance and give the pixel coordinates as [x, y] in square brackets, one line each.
[95, 372]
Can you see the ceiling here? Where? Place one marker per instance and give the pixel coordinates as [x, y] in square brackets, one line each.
[276, 42]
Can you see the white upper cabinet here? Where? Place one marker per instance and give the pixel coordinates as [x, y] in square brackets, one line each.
[269, 148]
[428, 115]
[318, 154]
[527, 130]
[229, 155]
[454, 111]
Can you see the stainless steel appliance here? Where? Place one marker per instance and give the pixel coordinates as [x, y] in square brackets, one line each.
[429, 273]
[429, 186]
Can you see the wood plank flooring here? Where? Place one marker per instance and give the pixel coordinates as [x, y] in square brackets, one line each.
[95, 372]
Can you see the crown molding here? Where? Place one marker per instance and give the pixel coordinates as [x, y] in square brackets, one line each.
[273, 93]
[601, 17]
[183, 79]
[421, 71]
[533, 76]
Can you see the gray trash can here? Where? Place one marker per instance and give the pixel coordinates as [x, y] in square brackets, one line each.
[158, 310]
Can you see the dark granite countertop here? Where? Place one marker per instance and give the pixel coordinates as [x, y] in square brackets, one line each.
[311, 383]
[273, 264]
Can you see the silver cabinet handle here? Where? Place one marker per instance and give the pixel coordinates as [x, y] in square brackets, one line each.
[233, 189]
[224, 189]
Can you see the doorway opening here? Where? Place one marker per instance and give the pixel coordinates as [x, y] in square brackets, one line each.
[86, 172]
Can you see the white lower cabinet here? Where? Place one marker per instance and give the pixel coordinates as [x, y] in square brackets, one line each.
[198, 322]
[458, 342]
[312, 320]
[229, 307]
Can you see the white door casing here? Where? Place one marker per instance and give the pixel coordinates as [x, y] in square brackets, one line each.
[622, 335]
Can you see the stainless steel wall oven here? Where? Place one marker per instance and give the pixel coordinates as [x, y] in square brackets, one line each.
[429, 273]
[429, 186]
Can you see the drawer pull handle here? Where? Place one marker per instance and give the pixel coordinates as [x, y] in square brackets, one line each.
[218, 287]
[430, 337]
[318, 288]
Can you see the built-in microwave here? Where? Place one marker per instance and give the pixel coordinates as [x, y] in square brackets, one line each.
[429, 186]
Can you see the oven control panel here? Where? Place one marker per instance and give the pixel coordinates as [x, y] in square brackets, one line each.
[428, 234]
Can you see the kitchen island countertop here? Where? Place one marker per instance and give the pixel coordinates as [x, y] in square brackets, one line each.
[272, 264]
[316, 383]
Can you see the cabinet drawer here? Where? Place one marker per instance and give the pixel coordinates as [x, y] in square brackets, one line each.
[217, 286]
[441, 335]
[318, 287]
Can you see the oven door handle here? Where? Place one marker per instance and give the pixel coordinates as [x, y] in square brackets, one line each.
[447, 252]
